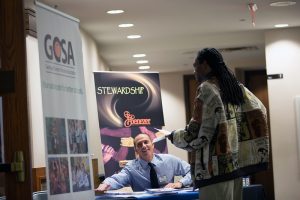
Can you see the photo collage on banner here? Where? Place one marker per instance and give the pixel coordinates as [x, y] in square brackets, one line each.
[68, 164]
[59, 140]
[129, 103]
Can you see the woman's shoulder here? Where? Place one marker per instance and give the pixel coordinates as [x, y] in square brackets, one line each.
[208, 88]
[209, 84]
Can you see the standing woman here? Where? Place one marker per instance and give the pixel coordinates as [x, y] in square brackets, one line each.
[227, 129]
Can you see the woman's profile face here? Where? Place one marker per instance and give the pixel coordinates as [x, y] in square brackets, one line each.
[201, 70]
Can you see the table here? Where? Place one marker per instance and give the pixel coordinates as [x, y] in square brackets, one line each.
[254, 192]
[176, 195]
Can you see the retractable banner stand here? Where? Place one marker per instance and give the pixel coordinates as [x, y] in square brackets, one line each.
[64, 106]
[128, 103]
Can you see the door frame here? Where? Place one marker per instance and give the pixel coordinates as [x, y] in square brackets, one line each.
[16, 134]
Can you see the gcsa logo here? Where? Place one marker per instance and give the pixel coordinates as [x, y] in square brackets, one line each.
[58, 49]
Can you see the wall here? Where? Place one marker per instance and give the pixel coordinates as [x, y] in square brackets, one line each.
[173, 106]
[35, 103]
[92, 61]
[283, 56]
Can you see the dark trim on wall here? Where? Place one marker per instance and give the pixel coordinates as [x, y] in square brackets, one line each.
[30, 22]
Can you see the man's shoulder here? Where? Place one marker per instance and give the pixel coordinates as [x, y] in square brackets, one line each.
[170, 159]
[165, 156]
[132, 162]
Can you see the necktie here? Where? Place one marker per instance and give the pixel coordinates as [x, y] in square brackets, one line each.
[153, 177]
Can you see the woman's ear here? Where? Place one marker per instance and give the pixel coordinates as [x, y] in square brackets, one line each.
[206, 67]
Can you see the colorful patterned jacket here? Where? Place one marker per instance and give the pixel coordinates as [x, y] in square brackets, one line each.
[228, 141]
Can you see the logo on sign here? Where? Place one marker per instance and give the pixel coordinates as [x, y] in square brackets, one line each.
[131, 121]
[59, 49]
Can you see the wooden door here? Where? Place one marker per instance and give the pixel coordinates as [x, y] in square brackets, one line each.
[256, 82]
[14, 96]
[190, 87]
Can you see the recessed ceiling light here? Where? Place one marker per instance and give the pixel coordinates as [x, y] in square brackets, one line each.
[125, 25]
[282, 3]
[133, 36]
[144, 67]
[281, 25]
[140, 55]
[114, 12]
[142, 61]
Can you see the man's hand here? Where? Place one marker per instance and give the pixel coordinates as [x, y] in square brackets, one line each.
[174, 185]
[102, 187]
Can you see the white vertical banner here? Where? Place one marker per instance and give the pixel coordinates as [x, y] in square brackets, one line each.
[68, 162]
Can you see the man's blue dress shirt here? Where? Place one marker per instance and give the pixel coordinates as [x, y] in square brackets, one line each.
[136, 173]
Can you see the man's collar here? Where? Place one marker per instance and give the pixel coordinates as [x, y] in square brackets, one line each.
[156, 158]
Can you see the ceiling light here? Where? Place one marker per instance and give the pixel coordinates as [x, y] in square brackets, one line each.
[140, 55]
[133, 36]
[142, 61]
[281, 25]
[283, 3]
[114, 12]
[144, 67]
[125, 25]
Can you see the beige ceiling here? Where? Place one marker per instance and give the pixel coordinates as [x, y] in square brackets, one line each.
[174, 30]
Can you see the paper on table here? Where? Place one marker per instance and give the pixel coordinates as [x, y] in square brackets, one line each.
[165, 134]
[116, 192]
[162, 190]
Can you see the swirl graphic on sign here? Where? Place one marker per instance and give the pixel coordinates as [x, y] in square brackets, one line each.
[137, 93]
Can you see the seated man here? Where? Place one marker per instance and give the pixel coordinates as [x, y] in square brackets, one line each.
[136, 173]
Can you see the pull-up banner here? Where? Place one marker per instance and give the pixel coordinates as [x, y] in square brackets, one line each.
[127, 99]
[68, 165]
[129, 103]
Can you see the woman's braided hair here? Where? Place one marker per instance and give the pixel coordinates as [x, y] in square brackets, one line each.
[229, 85]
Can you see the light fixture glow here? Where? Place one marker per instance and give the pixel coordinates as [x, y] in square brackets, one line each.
[139, 55]
[144, 67]
[134, 36]
[281, 25]
[142, 61]
[282, 3]
[125, 25]
[114, 12]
